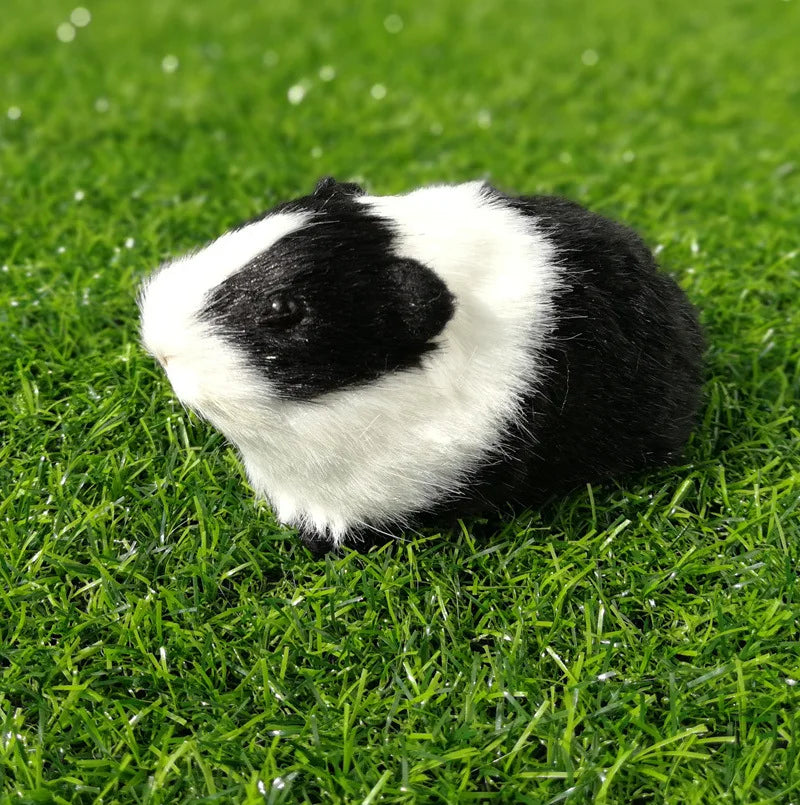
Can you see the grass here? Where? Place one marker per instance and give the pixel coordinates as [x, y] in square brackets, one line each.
[162, 640]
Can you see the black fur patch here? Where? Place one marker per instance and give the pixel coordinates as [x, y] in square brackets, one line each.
[622, 371]
[366, 312]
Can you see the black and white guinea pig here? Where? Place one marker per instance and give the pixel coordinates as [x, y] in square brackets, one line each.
[380, 359]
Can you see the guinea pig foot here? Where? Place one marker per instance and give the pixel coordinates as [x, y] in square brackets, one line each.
[317, 546]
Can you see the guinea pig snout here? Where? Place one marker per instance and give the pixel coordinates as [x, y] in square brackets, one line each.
[183, 379]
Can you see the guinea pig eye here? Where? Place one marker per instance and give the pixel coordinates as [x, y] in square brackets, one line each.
[283, 311]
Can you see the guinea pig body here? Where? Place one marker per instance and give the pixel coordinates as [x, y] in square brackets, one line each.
[380, 359]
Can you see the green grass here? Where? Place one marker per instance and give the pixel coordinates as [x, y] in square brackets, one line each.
[163, 641]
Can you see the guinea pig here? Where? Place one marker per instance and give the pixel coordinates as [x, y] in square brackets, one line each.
[379, 361]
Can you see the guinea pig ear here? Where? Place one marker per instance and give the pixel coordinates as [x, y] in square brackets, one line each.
[327, 186]
[426, 302]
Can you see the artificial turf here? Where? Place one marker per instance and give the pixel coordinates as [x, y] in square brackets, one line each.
[162, 640]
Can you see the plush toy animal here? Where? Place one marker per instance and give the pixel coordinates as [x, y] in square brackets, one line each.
[381, 359]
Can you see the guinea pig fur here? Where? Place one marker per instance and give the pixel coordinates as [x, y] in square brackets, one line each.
[381, 360]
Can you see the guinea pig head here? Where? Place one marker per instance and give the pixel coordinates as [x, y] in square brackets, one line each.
[308, 299]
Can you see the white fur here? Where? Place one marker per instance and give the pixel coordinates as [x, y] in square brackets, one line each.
[376, 453]
[205, 372]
